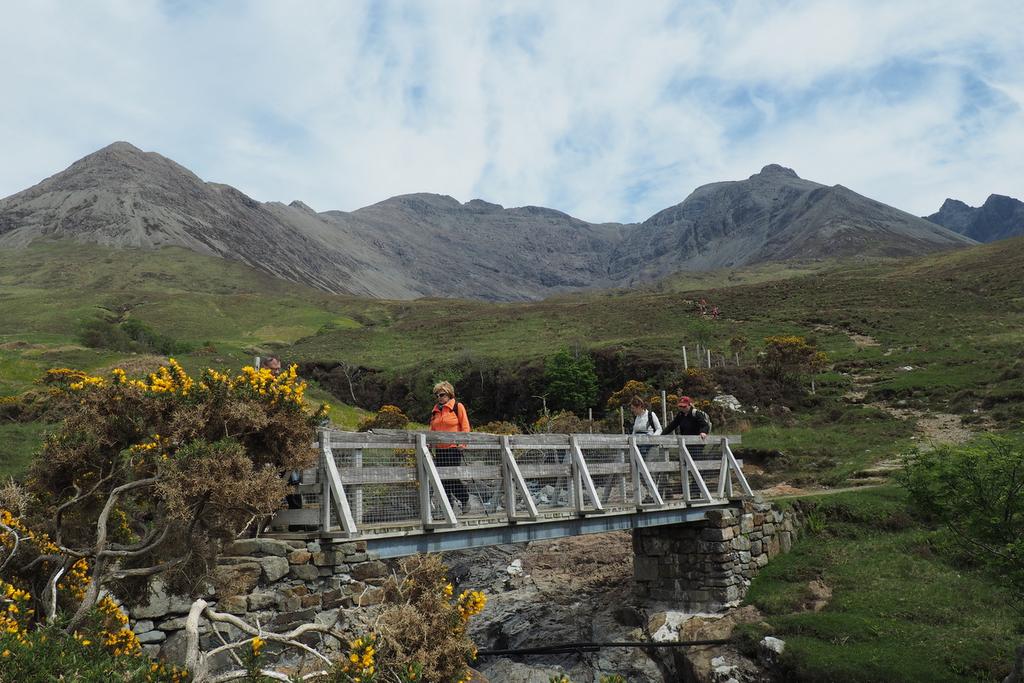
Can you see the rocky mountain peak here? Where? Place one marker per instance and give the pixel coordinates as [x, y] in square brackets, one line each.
[1000, 217]
[953, 205]
[481, 205]
[302, 206]
[409, 245]
[775, 170]
[1001, 201]
[119, 147]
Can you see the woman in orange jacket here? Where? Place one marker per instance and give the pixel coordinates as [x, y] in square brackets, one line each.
[449, 416]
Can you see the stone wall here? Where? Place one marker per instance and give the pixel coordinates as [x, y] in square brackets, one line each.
[706, 566]
[279, 583]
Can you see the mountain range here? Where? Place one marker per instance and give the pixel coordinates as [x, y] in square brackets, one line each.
[419, 245]
[999, 218]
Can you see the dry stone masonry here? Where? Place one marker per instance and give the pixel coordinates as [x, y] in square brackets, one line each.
[707, 566]
[280, 584]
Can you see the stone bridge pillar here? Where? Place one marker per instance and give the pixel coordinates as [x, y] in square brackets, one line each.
[708, 565]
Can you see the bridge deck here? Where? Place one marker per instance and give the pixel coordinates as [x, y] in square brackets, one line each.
[397, 490]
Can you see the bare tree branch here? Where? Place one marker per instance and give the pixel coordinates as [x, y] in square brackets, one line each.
[101, 523]
[14, 550]
[146, 571]
[197, 661]
[139, 551]
[51, 589]
[79, 497]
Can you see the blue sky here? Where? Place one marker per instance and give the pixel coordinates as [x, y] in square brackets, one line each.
[607, 110]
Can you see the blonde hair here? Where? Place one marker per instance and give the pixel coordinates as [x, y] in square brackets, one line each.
[638, 402]
[445, 386]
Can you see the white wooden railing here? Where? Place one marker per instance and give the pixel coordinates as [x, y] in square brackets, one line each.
[389, 481]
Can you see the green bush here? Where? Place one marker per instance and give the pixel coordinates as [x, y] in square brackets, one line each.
[571, 380]
[977, 492]
[50, 654]
[130, 336]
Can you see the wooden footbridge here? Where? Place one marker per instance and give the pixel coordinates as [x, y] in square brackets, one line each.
[386, 489]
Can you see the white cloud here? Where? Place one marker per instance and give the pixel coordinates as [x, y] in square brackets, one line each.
[607, 110]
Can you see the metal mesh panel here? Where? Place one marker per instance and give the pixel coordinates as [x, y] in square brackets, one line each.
[310, 476]
[708, 459]
[380, 484]
[547, 472]
[610, 470]
[473, 481]
[669, 477]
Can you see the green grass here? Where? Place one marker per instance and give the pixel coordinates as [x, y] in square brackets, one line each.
[815, 449]
[898, 612]
[18, 443]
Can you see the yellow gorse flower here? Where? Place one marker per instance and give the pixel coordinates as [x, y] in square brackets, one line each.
[470, 603]
[284, 388]
[361, 654]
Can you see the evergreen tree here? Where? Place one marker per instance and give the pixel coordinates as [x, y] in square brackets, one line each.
[571, 380]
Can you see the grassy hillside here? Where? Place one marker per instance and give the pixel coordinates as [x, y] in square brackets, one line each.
[946, 303]
[898, 611]
[956, 319]
[226, 311]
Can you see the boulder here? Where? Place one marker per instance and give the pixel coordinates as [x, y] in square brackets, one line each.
[262, 600]
[770, 649]
[158, 605]
[239, 578]
[369, 570]
[516, 672]
[273, 567]
[143, 626]
[729, 402]
[151, 637]
[370, 596]
[302, 556]
[234, 604]
[304, 572]
[259, 546]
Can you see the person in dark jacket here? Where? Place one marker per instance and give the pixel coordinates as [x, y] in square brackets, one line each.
[689, 421]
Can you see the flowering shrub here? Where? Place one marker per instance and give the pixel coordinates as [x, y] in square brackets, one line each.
[388, 417]
[422, 629]
[630, 389]
[791, 357]
[499, 427]
[562, 422]
[697, 382]
[146, 477]
[50, 654]
[101, 646]
[179, 464]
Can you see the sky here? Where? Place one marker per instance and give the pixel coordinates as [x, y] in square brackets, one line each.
[607, 110]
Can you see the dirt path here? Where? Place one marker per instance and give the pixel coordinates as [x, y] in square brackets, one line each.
[931, 429]
[859, 340]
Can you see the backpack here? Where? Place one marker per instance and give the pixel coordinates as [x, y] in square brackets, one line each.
[650, 423]
[706, 417]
